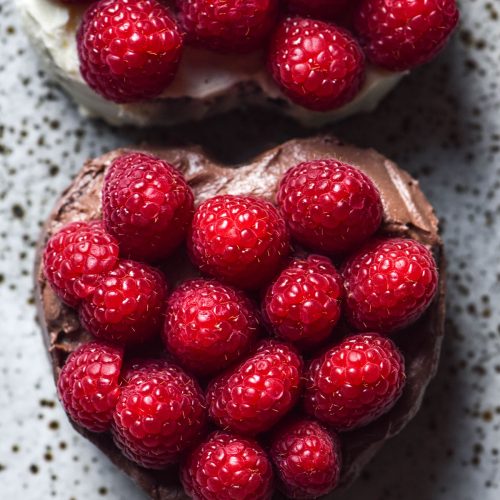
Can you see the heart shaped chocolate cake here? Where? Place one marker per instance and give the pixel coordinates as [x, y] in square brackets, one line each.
[338, 245]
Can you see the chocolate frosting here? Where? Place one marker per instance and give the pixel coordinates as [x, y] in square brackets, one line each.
[406, 213]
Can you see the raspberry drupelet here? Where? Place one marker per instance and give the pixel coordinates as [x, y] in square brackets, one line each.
[136, 370]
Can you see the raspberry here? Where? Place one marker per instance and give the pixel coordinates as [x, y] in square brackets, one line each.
[319, 9]
[209, 325]
[389, 284]
[254, 395]
[147, 206]
[317, 65]
[88, 385]
[129, 50]
[239, 239]
[401, 34]
[127, 305]
[355, 382]
[329, 206]
[228, 467]
[159, 415]
[307, 458]
[75, 258]
[237, 26]
[303, 304]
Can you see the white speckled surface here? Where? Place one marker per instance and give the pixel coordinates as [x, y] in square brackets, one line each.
[442, 124]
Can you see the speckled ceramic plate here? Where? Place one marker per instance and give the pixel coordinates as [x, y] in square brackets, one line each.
[442, 124]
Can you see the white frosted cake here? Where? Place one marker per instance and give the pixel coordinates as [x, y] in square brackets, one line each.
[207, 83]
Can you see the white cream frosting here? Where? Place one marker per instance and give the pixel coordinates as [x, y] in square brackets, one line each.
[206, 83]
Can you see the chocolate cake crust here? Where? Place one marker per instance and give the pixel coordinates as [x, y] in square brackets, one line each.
[407, 213]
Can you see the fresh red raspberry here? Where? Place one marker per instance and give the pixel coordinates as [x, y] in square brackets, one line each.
[76, 257]
[228, 467]
[329, 206]
[209, 325]
[355, 382]
[401, 34]
[307, 458]
[317, 65]
[254, 395]
[129, 50]
[88, 384]
[159, 415]
[127, 305]
[319, 9]
[389, 284]
[303, 304]
[237, 26]
[241, 240]
[147, 205]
